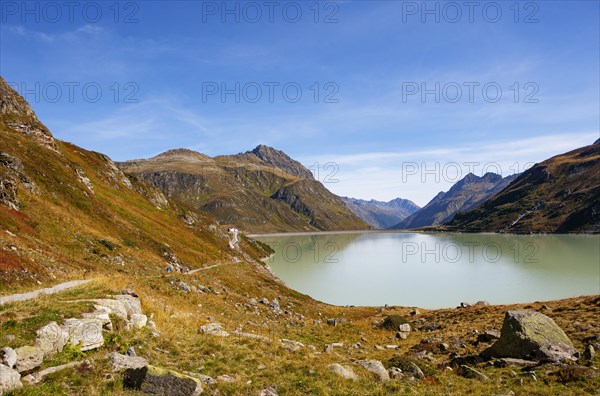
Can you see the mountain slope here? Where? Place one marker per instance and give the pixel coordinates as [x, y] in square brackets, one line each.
[69, 212]
[561, 194]
[262, 190]
[466, 194]
[381, 214]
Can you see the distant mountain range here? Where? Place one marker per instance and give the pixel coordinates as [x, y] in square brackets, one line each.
[381, 214]
[262, 190]
[559, 195]
[465, 195]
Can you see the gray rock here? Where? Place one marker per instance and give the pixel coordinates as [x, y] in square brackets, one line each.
[87, 333]
[405, 328]
[28, 358]
[214, 329]
[137, 321]
[225, 378]
[488, 335]
[342, 371]
[8, 357]
[336, 321]
[482, 303]
[130, 352]
[115, 307]
[531, 335]
[158, 381]
[9, 379]
[270, 391]
[402, 335]
[375, 367]
[589, 352]
[101, 314]
[51, 338]
[414, 371]
[395, 373]
[129, 292]
[264, 301]
[36, 378]
[119, 362]
[511, 362]
[132, 304]
[205, 379]
[470, 372]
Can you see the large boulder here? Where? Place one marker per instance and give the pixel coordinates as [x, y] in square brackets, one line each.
[9, 379]
[376, 368]
[84, 332]
[118, 308]
[137, 321]
[29, 358]
[132, 304]
[531, 335]
[51, 338]
[342, 371]
[158, 381]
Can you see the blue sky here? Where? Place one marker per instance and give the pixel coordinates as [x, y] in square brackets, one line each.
[361, 66]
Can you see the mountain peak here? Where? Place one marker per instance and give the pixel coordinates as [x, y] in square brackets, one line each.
[18, 115]
[281, 160]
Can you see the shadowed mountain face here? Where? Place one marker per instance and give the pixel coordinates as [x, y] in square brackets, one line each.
[262, 190]
[465, 195]
[381, 214]
[559, 195]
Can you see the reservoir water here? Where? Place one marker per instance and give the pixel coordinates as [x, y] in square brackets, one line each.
[437, 270]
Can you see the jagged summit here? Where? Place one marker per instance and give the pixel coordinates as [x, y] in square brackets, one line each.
[281, 160]
[18, 115]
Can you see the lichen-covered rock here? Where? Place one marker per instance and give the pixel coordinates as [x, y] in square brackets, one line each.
[531, 335]
[342, 371]
[87, 333]
[158, 381]
[132, 304]
[28, 358]
[9, 379]
[51, 338]
[213, 329]
[101, 314]
[470, 372]
[375, 367]
[115, 307]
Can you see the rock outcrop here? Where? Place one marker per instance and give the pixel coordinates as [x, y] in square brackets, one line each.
[157, 381]
[531, 335]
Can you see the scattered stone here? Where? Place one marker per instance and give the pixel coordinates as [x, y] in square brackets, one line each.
[264, 301]
[402, 335]
[414, 371]
[8, 357]
[119, 362]
[205, 379]
[375, 367]
[9, 379]
[36, 378]
[531, 335]
[391, 346]
[465, 305]
[84, 332]
[270, 391]
[113, 306]
[131, 352]
[132, 304]
[572, 373]
[470, 372]
[431, 327]
[482, 303]
[297, 343]
[129, 292]
[51, 338]
[28, 358]
[379, 348]
[137, 321]
[250, 335]
[511, 362]
[329, 347]
[589, 352]
[214, 329]
[225, 378]
[342, 371]
[405, 328]
[414, 312]
[395, 373]
[290, 347]
[158, 381]
[336, 321]
[102, 315]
